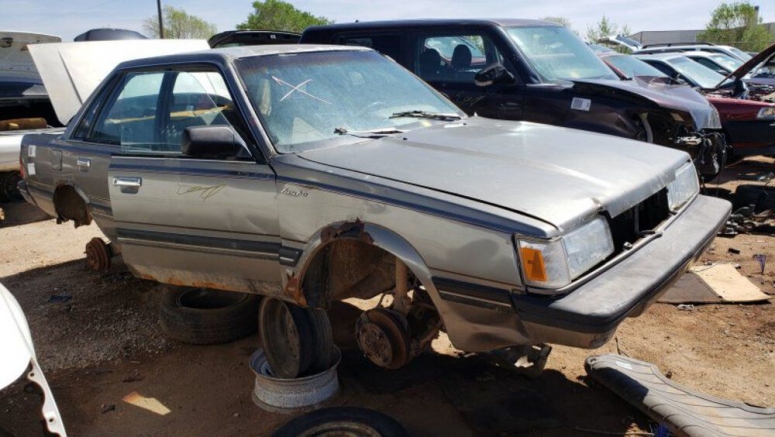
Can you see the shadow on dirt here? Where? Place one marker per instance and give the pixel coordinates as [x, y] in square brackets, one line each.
[19, 213]
[492, 400]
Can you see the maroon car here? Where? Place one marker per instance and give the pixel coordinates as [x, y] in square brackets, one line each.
[748, 118]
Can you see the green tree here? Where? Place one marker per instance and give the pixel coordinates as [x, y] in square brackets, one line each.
[179, 24]
[606, 27]
[736, 24]
[280, 15]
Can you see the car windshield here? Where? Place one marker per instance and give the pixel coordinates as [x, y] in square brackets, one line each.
[557, 53]
[697, 73]
[729, 62]
[315, 100]
[632, 66]
[740, 54]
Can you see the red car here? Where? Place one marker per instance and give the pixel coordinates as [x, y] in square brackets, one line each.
[747, 115]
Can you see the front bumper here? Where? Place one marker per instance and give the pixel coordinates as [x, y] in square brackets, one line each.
[589, 316]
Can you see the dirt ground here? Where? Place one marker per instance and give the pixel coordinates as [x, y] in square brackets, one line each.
[98, 340]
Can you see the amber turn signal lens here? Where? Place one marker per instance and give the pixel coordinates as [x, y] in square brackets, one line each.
[533, 262]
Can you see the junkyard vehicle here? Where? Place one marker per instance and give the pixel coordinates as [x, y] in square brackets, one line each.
[536, 71]
[718, 62]
[620, 43]
[311, 174]
[18, 355]
[691, 47]
[24, 103]
[748, 123]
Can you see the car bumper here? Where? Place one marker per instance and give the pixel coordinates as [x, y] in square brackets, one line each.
[26, 192]
[589, 316]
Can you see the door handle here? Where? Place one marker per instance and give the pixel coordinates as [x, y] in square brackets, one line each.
[127, 182]
[83, 163]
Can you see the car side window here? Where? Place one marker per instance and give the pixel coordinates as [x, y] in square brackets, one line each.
[454, 57]
[150, 111]
[130, 118]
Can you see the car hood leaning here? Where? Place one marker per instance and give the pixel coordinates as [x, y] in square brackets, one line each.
[679, 97]
[750, 64]
[554, 174]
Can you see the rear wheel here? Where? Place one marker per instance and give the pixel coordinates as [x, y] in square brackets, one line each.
[9, 189]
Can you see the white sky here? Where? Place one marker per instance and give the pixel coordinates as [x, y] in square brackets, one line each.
[68, 18]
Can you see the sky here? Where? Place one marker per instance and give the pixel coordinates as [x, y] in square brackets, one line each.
[71, 17]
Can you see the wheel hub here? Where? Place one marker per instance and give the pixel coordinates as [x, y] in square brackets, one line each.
[97, 255]
[383, 338]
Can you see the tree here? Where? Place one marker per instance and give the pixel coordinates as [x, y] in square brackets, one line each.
[179, 24]
[606, 27]
[736, 24]
[280, 15]
[563, 21]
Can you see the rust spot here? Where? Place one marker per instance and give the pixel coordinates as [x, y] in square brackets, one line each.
[294, 291]
[354, 229]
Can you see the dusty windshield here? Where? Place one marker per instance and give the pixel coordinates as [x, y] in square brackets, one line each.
[320, 99]
[556, 53]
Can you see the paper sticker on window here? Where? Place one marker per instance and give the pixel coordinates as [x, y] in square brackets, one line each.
[31, 169]
[580, 104]
[31, 151]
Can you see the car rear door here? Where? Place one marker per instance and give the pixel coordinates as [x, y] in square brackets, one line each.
[186, 220]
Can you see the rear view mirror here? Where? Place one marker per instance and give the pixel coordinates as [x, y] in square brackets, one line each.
[493, 74]
[211, 141]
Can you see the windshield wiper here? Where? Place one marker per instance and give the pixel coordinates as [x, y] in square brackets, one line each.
[375, 133]
[426, 114]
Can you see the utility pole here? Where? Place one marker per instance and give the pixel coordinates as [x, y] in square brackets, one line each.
[161, 21]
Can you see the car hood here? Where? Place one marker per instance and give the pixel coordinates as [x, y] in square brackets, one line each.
[555, 174]
[750, 64]
[71, 71]
[678, 97]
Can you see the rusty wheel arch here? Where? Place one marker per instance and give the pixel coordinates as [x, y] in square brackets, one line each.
[351, 259]
[70, 204]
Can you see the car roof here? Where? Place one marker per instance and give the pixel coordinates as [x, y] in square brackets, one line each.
[443, 22]
[223, 55]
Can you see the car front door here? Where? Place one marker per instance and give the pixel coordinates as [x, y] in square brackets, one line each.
[449, 61]
[208, 221]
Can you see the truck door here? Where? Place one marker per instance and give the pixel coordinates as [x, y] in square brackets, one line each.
[449, 61]
[208, 221]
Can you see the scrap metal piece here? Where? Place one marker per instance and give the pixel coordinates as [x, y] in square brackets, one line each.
[684, 411]
[528, 360]
[98, 255]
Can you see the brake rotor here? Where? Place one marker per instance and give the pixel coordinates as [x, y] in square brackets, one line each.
[97, 255]
[383, 337]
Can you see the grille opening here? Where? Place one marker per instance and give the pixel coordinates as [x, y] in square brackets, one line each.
[628, 227]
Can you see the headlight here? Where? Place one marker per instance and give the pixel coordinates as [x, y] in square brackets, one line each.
[766, 113]
[554, 264]
[683, 188]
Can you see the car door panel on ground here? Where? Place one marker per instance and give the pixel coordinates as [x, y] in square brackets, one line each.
[187, 220]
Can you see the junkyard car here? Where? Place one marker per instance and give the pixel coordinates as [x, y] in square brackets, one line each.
[311, 174]
[700, 46]
[536, 71]
[748, 123]
[18, 355]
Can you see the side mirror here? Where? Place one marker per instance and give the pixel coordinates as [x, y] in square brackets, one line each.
[493, 74]
[211, 141]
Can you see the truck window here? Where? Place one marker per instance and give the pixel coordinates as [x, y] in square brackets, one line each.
[454, 57]
[389, 45]
[131, 116]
